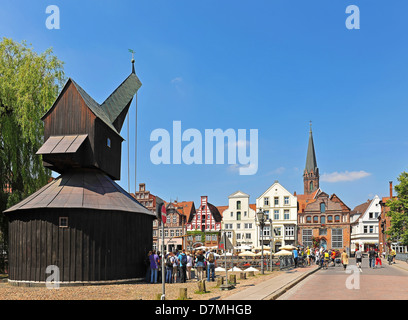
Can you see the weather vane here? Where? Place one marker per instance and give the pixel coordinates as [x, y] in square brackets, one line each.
[133, 54]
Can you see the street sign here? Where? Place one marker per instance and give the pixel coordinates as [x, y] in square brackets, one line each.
[163, 213]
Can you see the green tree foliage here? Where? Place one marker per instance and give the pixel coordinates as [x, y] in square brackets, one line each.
[399, 212]
[29, 84]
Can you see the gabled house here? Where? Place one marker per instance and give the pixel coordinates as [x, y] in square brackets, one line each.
[364, 224]
[204, 226]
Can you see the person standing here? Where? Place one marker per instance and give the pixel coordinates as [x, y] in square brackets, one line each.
[176, 263]
[169, 267]
[183, 266]
[189, 265]
[154, 266]
[199, 263]
[211, 266]
[344, 259]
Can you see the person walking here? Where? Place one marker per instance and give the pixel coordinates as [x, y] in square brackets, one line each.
[344, 259]
[378, 259]
[295, 257]
[359, 259]
[371, 257]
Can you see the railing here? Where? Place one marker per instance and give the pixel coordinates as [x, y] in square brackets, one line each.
[402, 256]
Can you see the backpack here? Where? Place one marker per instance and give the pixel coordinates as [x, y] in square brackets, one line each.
[169, 262]
[183, 260]
[211, 258]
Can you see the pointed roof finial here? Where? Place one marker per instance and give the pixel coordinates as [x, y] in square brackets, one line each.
[310, 123]
[133, 60]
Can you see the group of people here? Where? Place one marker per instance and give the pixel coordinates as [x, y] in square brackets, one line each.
[178, 266]
[323, 257]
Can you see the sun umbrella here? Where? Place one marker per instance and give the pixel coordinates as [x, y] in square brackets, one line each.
[247, 254]
[219, 269]
[251, 269]
[243, 247]
[234, 269]
[260, 248]
[288, 247]
[283, 253]
[259, 254]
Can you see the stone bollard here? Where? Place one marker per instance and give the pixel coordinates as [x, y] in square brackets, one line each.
[182, 294]
[233, 279]
[251, 273]
[201, 286]
[242, 275]
[220, 281]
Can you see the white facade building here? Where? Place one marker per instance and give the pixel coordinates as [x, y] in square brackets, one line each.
[364, 224]
[281, 208]
[239, 220]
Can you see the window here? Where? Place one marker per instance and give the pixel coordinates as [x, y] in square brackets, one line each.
[238, 226]
[289, 231]
[247, 236]
[266, 231]
[308, 219]
[174, 219]
[323, 232]
[329, 219]
[307, 237]
[371, 229]
[172, 233]
[315, 219]
[365, 229]
[276, 201]
[238, 205]
[311, 185]
[232, 214]
[322, 207]
[63, 222]
[238, 236]
[166, 233]
[266, 201]
[322, 219]
[337, 238]
[266, 214]
[208, 237]
[248, 225]
[286, 200]
[286, 215]
[276, 214]
[238, 215]
[108, 143]
[337, 218]
[229, 234]
[277, 231]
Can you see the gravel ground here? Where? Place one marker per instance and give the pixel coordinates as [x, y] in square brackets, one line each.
[141, 291]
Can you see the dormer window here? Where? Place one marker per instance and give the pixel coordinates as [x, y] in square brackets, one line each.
[322, 207]
[108, 142]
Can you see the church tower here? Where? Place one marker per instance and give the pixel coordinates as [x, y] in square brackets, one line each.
[311, 173]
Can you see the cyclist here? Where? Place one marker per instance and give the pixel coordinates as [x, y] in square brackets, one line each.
[326, 258]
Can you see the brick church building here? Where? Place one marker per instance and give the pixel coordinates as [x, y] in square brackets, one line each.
[323, 220]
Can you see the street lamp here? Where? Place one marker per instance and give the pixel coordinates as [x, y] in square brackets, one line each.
[261, 220]
[270, 242]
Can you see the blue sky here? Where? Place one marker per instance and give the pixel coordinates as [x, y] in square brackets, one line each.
[266, 65]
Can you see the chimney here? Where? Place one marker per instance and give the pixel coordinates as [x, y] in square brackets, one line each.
[390, 189]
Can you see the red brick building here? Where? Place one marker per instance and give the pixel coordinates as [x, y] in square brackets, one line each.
[323, 220]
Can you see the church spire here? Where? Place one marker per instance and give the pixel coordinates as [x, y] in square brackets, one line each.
[311, 163]
[311, 173]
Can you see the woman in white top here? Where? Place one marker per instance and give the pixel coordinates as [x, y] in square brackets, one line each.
[189, 265]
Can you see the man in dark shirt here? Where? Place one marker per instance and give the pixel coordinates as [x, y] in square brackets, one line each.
[371, 257]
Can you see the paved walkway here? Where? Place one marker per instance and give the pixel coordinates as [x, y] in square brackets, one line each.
[275, 287]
